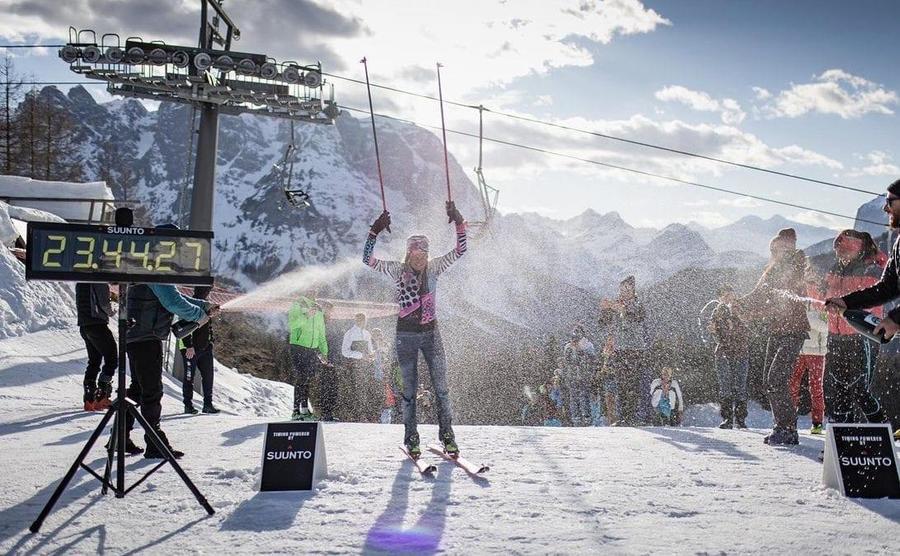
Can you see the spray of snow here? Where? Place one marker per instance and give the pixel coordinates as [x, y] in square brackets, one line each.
[287, 286]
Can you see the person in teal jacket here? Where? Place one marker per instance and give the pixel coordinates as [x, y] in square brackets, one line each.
[309, 349]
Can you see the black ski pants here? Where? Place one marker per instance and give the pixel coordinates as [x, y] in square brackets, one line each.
[101, 350]
[146, 362]
[849, 366]
[305, 362]
[202, 363]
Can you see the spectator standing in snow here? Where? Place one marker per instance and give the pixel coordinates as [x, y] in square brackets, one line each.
[608, 385]
[151, 308]
[359, 395]
[774, 300]
[309, 350]
[386, 374]
[92, 304]
[625, 319]
[811, 363]
[197, 355]
[732, 362]
[666, 399]
[581, 359]
[850, 362]
[552, 400]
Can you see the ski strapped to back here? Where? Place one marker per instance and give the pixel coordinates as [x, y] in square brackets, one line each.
[424, 468]
[469, 467]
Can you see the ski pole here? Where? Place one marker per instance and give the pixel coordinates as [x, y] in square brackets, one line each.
[374, 136]
[443, 131]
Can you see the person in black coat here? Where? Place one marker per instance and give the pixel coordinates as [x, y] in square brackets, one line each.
[197, 355]
[92, 303]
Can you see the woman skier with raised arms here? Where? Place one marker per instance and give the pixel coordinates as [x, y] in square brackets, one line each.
[416, 280]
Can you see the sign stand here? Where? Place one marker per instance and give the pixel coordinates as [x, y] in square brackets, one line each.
[861, 460]
[119, 411]
[293, 456]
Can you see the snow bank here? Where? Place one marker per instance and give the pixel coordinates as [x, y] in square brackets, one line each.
[17, 186]
[596, 490]
[30, 306]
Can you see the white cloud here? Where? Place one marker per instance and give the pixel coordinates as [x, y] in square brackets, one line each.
[543, 100]
[505, 163]
[741, 202]
[876, 163]
[761, 93]
[813, 218]
[833, 92]
[729, 109]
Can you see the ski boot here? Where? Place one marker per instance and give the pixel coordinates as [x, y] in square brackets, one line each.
[782, 437]
[209, 408]
[104, 391]
[90, 393]
[412, 446]
[189, 409]
[727, 412]
[131, 448]
[152, 452]
[450, 447]
[303, 413]
[817, 429]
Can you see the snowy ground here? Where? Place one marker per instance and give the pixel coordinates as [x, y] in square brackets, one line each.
[653, 490]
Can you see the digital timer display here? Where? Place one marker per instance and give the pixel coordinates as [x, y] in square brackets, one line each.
[87, 253]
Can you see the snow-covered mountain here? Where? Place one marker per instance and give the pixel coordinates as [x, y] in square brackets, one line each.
[871, 212]
[752, 233]
[259, 236]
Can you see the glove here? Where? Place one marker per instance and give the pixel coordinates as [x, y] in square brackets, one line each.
[452, 214]
[383, 222]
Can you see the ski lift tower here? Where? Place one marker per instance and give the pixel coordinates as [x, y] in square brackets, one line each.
[210, 77]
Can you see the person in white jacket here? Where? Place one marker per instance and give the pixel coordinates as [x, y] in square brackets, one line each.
[666, 399]
[357, 348]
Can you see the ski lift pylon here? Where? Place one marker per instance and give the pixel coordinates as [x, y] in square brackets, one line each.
[487, 193]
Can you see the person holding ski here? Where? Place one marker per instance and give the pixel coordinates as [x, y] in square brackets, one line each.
[774, 300]
[309, 350]
[850, 361]
[92, 304]
[415, 280]
[732, 360]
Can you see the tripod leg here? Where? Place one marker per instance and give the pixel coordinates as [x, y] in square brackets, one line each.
[110, 450]
[71, 473]
[156, 440]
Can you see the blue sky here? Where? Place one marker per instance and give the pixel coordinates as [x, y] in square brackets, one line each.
[805, 87]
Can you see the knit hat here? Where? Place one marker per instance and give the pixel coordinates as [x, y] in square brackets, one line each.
[628, 280]
[788, 235]
[417, 242]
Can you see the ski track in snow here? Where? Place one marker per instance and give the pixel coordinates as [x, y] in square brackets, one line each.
[550, 490]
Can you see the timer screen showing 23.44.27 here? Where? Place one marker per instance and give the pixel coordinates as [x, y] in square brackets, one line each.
[96, 252]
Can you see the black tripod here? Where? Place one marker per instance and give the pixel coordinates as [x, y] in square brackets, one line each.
[120, 409]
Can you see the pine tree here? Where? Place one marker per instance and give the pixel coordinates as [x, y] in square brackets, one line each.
[11, 88]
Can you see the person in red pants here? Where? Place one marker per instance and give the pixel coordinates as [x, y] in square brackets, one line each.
[812, 362]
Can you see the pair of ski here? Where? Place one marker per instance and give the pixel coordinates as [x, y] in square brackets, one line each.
[429, 468]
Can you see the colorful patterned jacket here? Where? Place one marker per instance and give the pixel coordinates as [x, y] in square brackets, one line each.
[407, 280]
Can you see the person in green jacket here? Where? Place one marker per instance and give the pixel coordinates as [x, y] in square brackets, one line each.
[309, 349]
